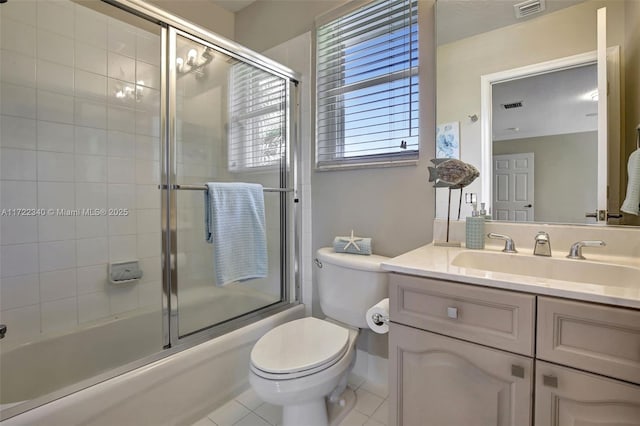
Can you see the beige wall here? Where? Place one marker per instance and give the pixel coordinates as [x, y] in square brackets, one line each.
[559, 195]
[202, 12]
[460, 64]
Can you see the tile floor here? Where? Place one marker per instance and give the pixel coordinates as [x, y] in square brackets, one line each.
[247, 409]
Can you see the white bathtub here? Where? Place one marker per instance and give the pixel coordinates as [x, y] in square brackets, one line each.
[179, 389]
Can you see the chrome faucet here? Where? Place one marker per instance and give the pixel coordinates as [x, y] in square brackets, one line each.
[575, 252]
[542, 245]
[509, 245]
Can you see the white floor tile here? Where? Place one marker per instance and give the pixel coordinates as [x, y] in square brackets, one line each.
[251, 420]
[381, 415]
[204, 422]
[271, 413]
[355, 381]
[380, 389]
[372, 422]
[249, 399]
[228, 414]
[367, 402]
[354, 418]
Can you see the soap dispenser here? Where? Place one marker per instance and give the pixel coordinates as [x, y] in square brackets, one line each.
[474, 228]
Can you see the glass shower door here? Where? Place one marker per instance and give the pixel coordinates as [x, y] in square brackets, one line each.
[230, 126]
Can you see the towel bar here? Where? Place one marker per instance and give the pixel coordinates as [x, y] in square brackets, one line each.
[204, 188]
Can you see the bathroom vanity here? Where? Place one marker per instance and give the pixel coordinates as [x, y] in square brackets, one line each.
[472, 346]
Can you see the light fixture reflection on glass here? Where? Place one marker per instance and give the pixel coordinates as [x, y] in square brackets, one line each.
[179, 63]
[191, 56]
[195, 62]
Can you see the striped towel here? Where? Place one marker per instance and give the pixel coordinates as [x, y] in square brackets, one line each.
[235, 225]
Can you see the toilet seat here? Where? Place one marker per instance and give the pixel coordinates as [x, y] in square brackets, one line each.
[299, 348]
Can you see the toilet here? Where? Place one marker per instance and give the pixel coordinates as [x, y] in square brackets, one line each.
[302, 364]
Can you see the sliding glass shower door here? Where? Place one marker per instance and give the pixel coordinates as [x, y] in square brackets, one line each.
[231, 121]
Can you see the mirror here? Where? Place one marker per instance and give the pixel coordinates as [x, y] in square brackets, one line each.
[478, 41]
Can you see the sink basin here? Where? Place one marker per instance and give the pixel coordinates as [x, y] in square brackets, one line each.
[582, 271]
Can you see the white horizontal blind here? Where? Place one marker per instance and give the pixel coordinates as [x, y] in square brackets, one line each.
[256, 118]
[367, 85]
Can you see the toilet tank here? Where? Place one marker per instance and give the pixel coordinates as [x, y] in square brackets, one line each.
[349, 284]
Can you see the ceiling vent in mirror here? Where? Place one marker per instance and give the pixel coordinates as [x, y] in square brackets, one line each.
[512, 105]
[528, 8]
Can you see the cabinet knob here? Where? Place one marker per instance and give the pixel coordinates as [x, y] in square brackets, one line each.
[550, 381]
[517, 371]
[452, 312]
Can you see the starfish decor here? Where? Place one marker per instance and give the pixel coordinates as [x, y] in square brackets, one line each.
[352, 241]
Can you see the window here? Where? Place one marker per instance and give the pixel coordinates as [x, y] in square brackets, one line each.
[256, 118]
[367, 85]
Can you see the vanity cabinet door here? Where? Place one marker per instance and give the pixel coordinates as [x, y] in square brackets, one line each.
[567, 397]
[441, 381]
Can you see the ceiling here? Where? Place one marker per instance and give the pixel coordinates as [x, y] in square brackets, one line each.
[458, 19]
[233, 5]
[553, 103]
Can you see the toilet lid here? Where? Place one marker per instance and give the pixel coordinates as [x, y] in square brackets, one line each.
[299, 345]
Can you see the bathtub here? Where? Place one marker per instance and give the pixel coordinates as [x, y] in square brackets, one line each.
[178, 389]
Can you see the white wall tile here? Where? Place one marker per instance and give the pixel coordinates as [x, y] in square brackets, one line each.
[57, 255]
[17, 132]
[92, 251]
[149, 245]
[25, 323]
[89, 140]
[148, 123]
[92, 279]
[55, 47]
[56, 137]
[91, 27]
[55, 167]
[91, 168]
[55, 77]
[18, 194]
[148, 220]
[55, 107]
[122, 38]
[147, 148]
[122, 248]
[150, 293]
[123, 224]
[57, 16]
[120, 144]
[18, 259]
[92, 306]
[121, 67]
[18, 37]
[152, 269]
[59, 315]
[147, 197]
[121, 93]
[122, 119]
[121, 196]
[91, 226]
[147, 172]
[148, 48]
[90, 113]
[56, 195]
[20, 291]
[57, 227]
[58, 285]
[17, 164]
[23, 11]
[148, 75]
[90, 85]
[123, 299]
[121, 170]
[18, 101]
[16, 68]
[149, 100]
[91, 58]
[91, 195]
[18, 229]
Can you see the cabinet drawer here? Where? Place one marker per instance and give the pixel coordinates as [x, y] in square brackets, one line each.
[497, 318]
[597, 338]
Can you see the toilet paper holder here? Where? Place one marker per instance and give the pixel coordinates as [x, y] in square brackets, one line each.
[379, 319]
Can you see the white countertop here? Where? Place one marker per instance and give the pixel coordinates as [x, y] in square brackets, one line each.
[436, 262]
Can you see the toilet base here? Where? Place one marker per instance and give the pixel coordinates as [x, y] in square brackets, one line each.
[319, 412]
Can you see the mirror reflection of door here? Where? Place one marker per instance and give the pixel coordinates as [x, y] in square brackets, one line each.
[553, 115]
[513, 180]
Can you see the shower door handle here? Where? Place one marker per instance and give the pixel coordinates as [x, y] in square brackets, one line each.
[3, 330]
